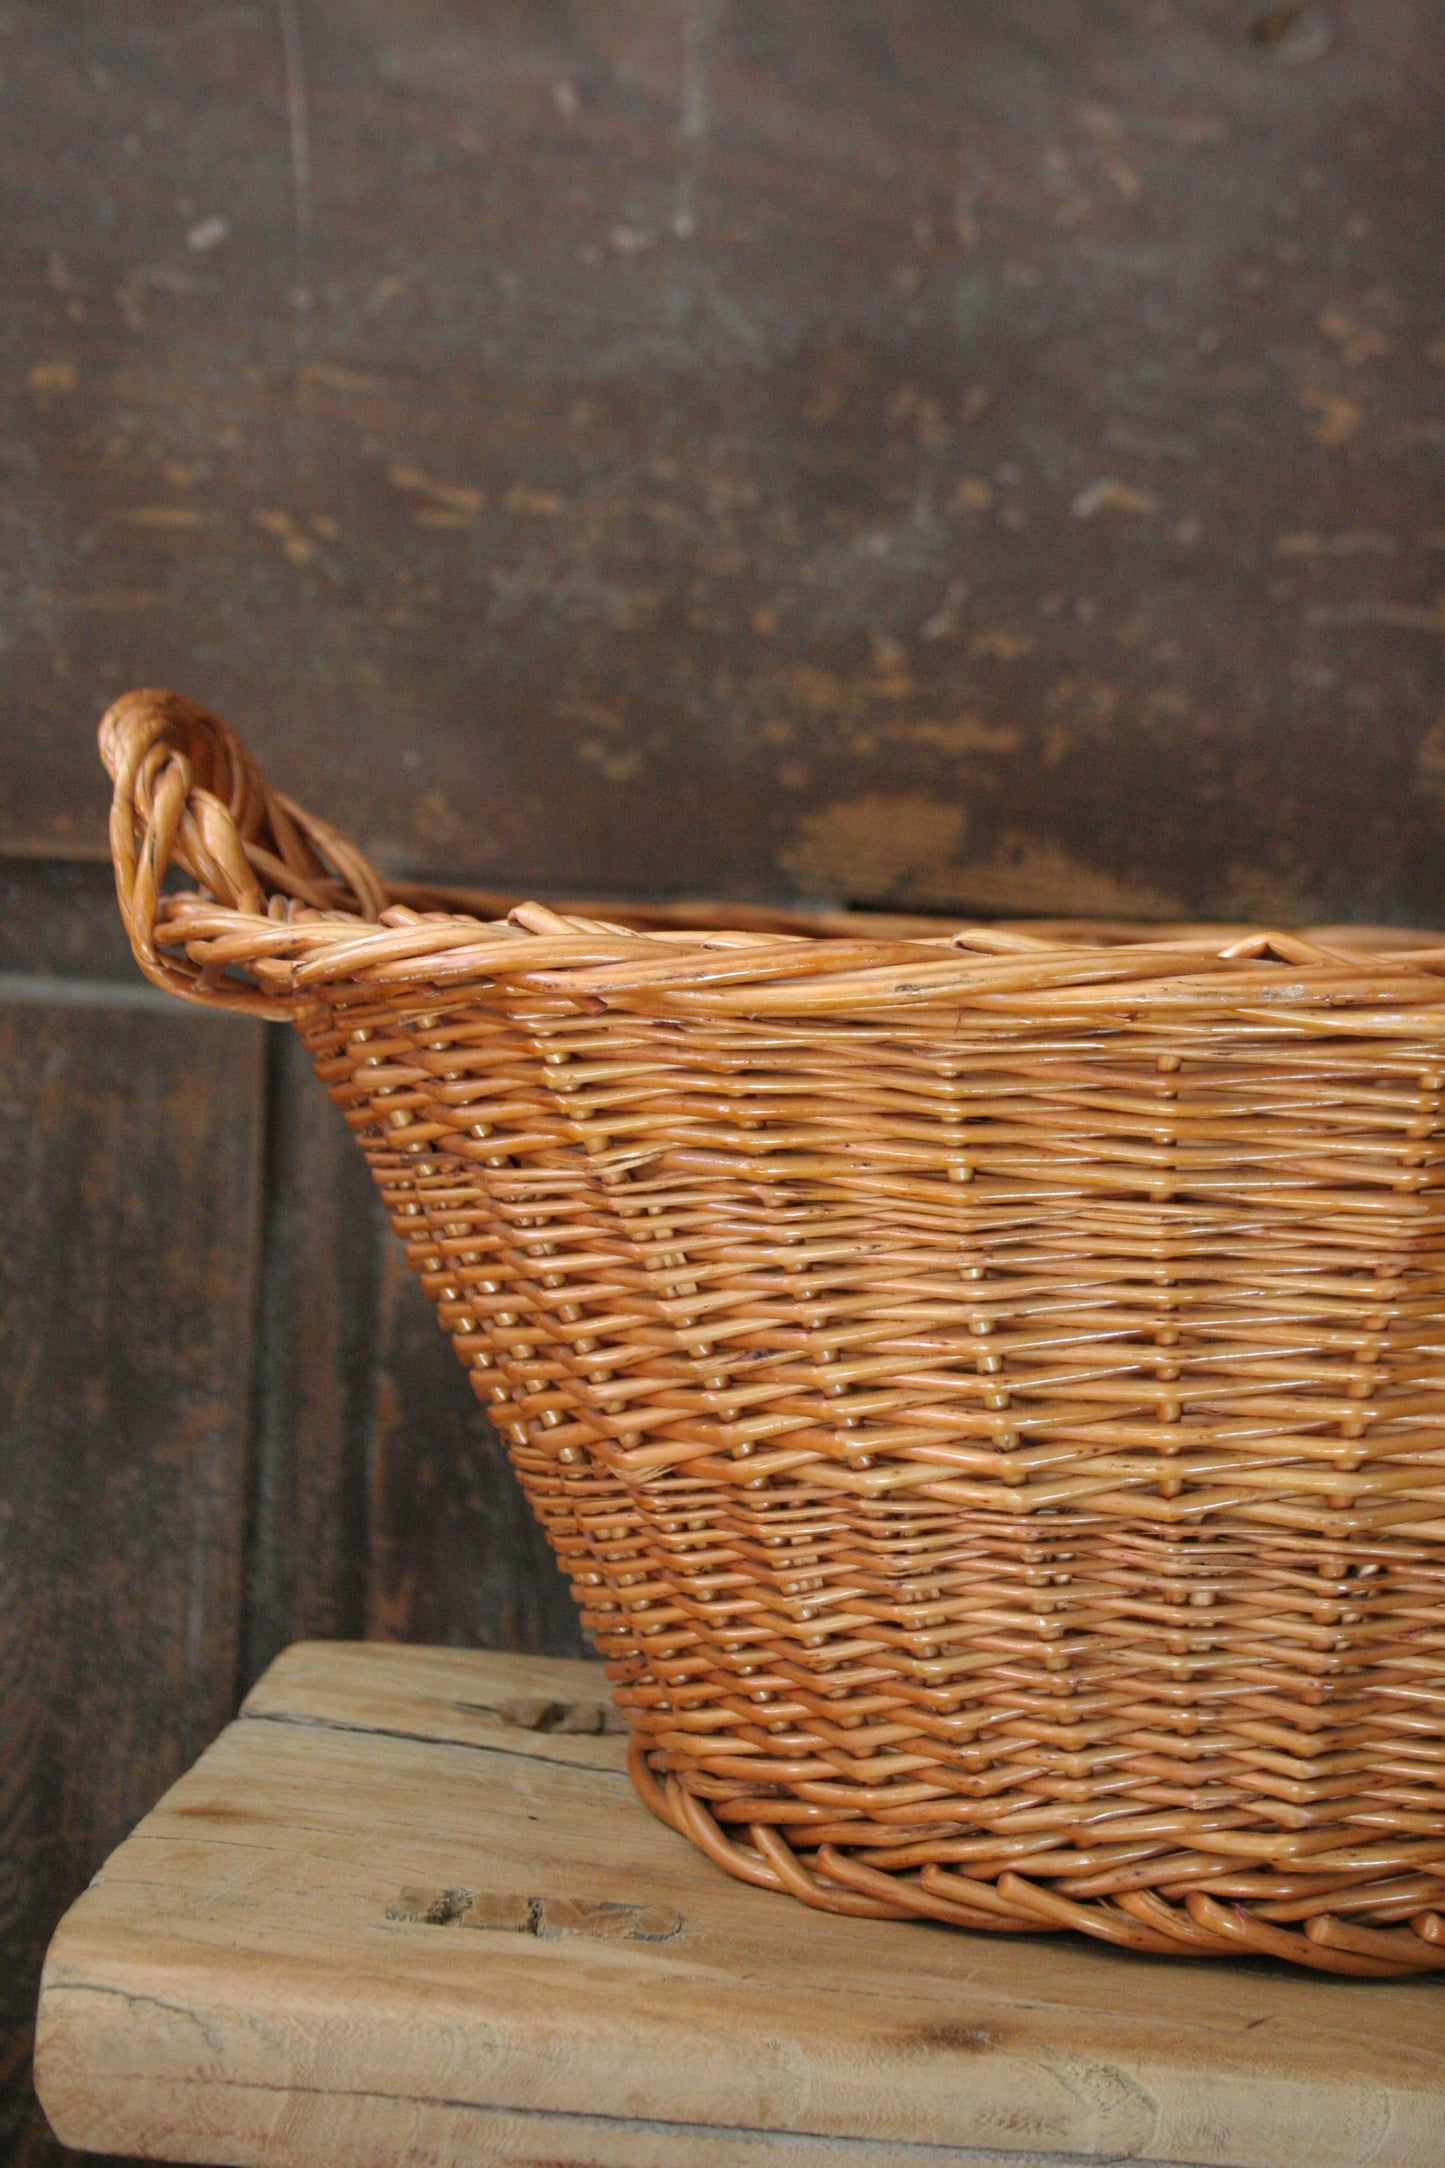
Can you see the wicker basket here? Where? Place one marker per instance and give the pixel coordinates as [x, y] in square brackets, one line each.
[988, 1391]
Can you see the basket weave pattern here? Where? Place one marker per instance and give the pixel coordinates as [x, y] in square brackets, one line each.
[987, 1392]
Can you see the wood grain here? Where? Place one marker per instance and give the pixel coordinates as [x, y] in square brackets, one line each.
[977, 456]
[129, 1181]
[58, 920]
[313, 1951]
[552, 1707]
[314, 1386]
[110, 1187]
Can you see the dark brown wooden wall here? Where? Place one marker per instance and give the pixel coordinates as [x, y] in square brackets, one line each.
[974, 452]
[967, 454]
[230, 1419]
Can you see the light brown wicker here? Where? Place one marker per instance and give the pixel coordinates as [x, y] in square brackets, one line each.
[988, 1391]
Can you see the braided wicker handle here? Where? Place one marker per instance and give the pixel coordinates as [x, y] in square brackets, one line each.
[187, 790]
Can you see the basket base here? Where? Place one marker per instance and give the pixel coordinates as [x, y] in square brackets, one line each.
[830, 1880]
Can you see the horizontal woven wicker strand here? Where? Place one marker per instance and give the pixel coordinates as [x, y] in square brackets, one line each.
[987, 1390]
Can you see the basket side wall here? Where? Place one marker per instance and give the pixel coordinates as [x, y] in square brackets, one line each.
[959, 1439]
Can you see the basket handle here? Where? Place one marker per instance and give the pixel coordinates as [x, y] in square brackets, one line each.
[187, 790]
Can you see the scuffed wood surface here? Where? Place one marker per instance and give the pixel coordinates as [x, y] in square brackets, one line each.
[348, 1937]
[538, 1706]
[975, 456]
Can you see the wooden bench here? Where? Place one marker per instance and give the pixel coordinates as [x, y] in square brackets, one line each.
[407, 1909]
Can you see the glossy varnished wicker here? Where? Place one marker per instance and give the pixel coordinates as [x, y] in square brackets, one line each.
[988, 1391]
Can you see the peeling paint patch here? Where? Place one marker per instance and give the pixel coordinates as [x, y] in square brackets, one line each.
[1430, 761]
[1337, 420]
[1107, 495]
[1358, 542]
[351, 383]
[52, 376]
[1029, 873]
[443, 502]
[1265, 898]
[958, 734]
[1002, 645]
[875, 846]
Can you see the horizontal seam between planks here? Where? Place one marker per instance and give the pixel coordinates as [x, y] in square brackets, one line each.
[38, 989]
[423, 1738]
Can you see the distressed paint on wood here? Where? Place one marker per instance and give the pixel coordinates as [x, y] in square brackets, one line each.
[982, 457]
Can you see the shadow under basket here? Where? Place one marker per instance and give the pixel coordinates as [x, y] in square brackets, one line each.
[986, 1386]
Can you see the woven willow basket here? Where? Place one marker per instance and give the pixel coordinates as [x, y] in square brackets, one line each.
[988, 1391]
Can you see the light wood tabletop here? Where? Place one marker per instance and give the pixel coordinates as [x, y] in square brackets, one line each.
[407, 1909]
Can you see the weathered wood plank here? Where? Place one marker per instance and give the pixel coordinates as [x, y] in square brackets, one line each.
[129, 1179]
[345, 1938]
[293, 1219]
[982, 456]
[316, 1326]
[59, 920]
[553, 1707]
[381, 2132]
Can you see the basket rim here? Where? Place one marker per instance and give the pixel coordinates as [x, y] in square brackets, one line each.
[1372, 981]
[286, 912]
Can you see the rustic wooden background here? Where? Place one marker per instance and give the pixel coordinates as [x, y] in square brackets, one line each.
[976, 454]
